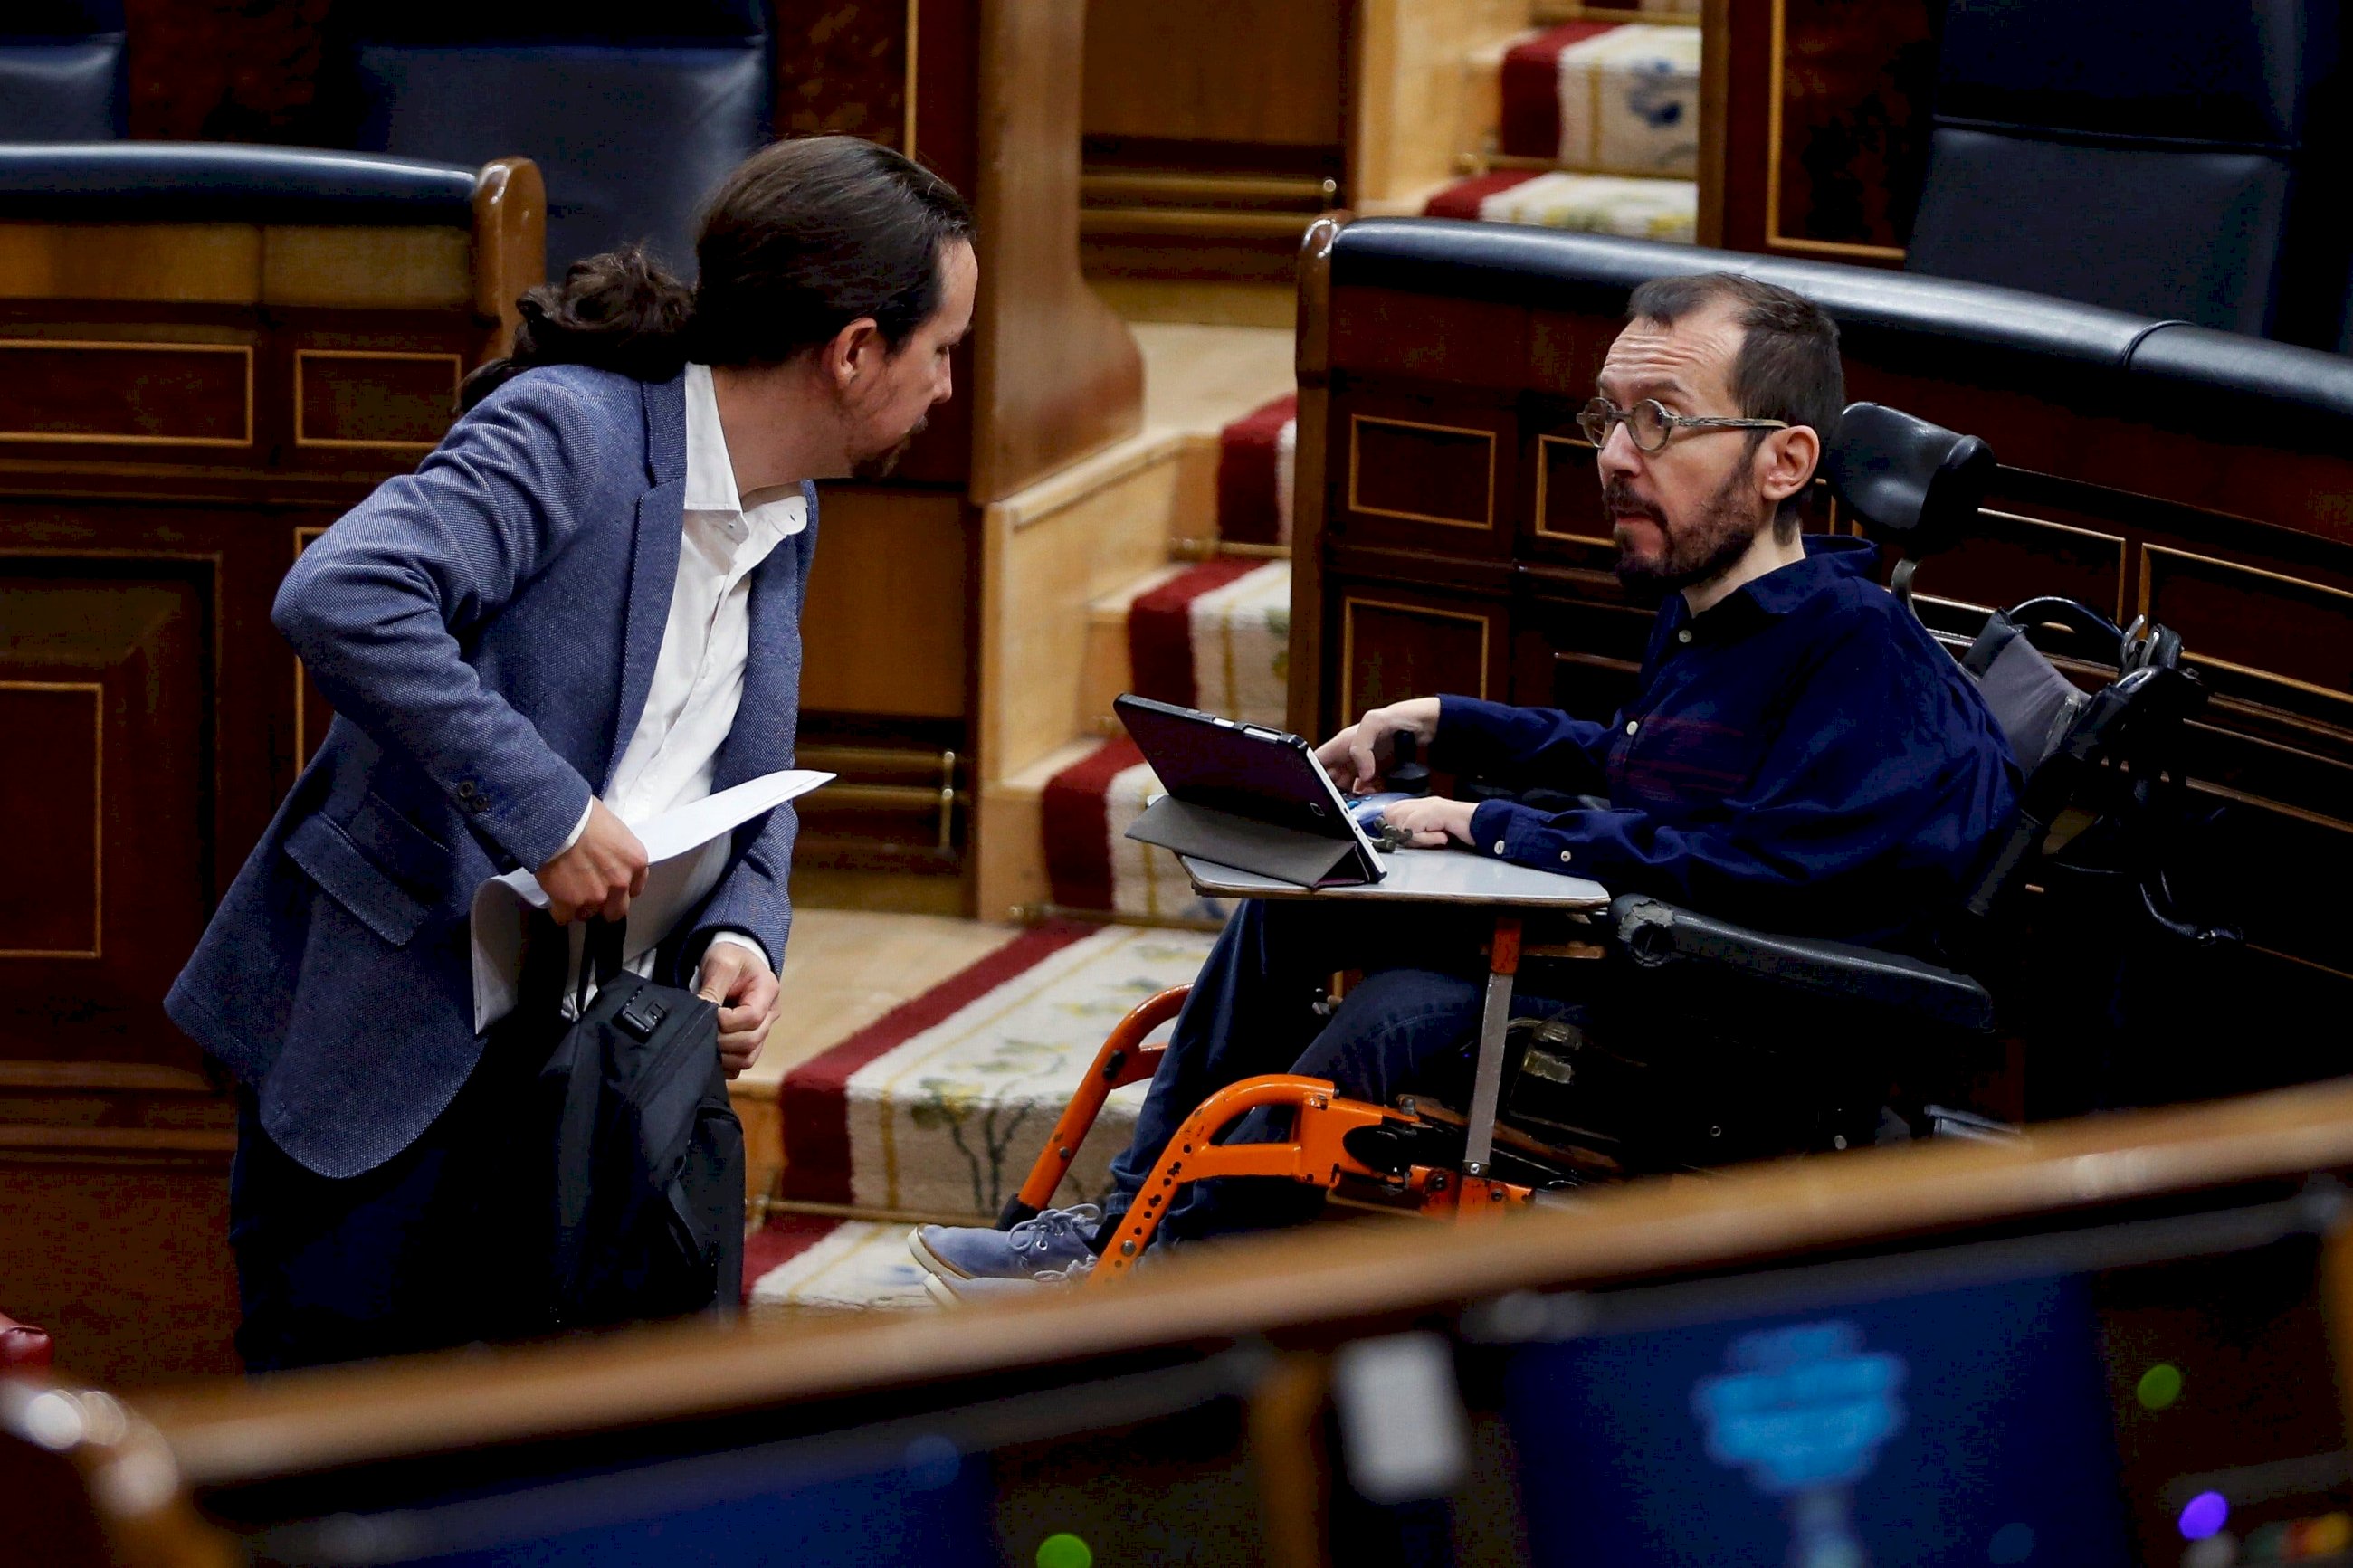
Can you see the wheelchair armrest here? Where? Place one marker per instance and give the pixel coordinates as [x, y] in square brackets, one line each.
[1658, 935]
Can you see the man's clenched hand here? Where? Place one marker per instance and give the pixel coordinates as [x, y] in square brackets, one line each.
[737, 979]
[1432, 821]
[1357, 757]
[603, 870]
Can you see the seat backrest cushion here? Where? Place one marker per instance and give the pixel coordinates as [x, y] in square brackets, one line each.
[2193, 235]
[2136, 153]
[630, 132]
[2175, 71]
[61, 71]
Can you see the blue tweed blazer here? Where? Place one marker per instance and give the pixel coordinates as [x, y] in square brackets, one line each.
[485, 628]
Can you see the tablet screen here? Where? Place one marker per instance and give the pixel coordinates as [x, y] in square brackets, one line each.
[1244, 769]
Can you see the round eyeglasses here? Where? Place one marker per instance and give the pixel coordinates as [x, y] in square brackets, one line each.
[1650, 424]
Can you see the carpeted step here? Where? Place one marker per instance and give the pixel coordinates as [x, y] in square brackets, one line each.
[1216, 636]
[1599, 98]
[801, 1262]
[1592, 204]
[1091, 863]
[1255, 459]
[939, 1106]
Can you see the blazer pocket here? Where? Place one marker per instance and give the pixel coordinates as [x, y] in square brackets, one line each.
[329, 857]
[397, 844]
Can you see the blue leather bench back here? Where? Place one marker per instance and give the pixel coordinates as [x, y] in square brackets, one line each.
[631, 129]
[216, 182]
[2144, 154]
[61, 70]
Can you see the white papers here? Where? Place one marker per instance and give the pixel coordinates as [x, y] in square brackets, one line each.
[686, 852]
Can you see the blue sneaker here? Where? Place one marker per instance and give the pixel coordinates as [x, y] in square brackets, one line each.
[1050, 1244]
[949, 1291]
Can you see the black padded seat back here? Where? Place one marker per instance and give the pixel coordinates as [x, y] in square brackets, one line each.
[632, 128]
[2197, 235]
[2141, 155]
[62, 71]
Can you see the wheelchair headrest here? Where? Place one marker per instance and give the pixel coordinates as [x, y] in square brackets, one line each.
[1913, 485]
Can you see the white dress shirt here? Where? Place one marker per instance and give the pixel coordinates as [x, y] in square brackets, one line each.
[699, 675]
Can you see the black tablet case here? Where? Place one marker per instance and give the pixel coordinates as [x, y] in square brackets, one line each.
[1245, 843]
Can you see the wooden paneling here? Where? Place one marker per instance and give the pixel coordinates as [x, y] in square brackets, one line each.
[355, 267]
[57, 816]
[373, 399]
[125, 393]
[1252, 72]
[884, 628]
[1055, 374]
[1396, 642]
[1424, 478]
[1565, 517]
[103, 670]
[117, 1241]
[185, 263]
[2007, 548]
[2272, 628]
[1825, 126]
[1421, 472]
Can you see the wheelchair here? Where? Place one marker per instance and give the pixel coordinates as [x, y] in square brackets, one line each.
[1709, 1043]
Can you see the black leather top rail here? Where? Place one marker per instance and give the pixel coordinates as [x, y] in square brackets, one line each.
[2169, 373]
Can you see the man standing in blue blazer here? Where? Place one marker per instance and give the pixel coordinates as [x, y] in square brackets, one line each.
[582, 609]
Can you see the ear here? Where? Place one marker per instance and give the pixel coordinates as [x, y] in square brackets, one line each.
[855, 350]
[1785, 460]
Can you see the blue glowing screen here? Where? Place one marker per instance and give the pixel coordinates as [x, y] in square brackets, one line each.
[1968, 1426]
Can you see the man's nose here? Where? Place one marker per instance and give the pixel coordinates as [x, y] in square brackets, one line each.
[1618, 455]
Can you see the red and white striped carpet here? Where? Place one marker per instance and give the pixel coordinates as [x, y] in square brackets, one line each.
[939, 1107]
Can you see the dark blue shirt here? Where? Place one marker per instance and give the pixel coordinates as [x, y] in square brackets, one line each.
[1804, 757]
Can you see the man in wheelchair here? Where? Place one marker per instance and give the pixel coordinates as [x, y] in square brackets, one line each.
[1801, 756]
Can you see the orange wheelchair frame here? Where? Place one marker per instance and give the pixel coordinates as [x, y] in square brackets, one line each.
[1322, 1119]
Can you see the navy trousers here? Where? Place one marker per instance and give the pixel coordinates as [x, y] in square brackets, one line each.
[442, 1244]
[1408, 1026]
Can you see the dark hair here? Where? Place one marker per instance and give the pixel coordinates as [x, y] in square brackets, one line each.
[1788, 367]
[801, 239]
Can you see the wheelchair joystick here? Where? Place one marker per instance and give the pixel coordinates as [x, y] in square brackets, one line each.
[1408, 774]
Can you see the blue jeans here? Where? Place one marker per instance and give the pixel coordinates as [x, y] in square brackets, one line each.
[1407, 1027]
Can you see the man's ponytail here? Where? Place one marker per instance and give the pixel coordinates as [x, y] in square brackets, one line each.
[618, 311]
[803, 238]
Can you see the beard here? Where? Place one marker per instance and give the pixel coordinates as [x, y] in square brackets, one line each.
[881, 464]
[1690, 553]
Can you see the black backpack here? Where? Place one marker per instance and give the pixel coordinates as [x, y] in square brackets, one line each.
[649, 1155]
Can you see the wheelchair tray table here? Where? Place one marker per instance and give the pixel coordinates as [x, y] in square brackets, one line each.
[1419, 876]
[1446, 877]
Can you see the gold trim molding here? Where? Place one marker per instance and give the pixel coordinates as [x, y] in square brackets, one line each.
[1356, 421]
[457, 363]
[44, 438]
[1349, 603]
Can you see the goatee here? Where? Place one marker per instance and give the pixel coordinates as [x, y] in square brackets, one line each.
[1695, 552]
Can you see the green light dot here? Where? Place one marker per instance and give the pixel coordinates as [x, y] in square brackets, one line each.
[1064, 1551]
[2160, 1385]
